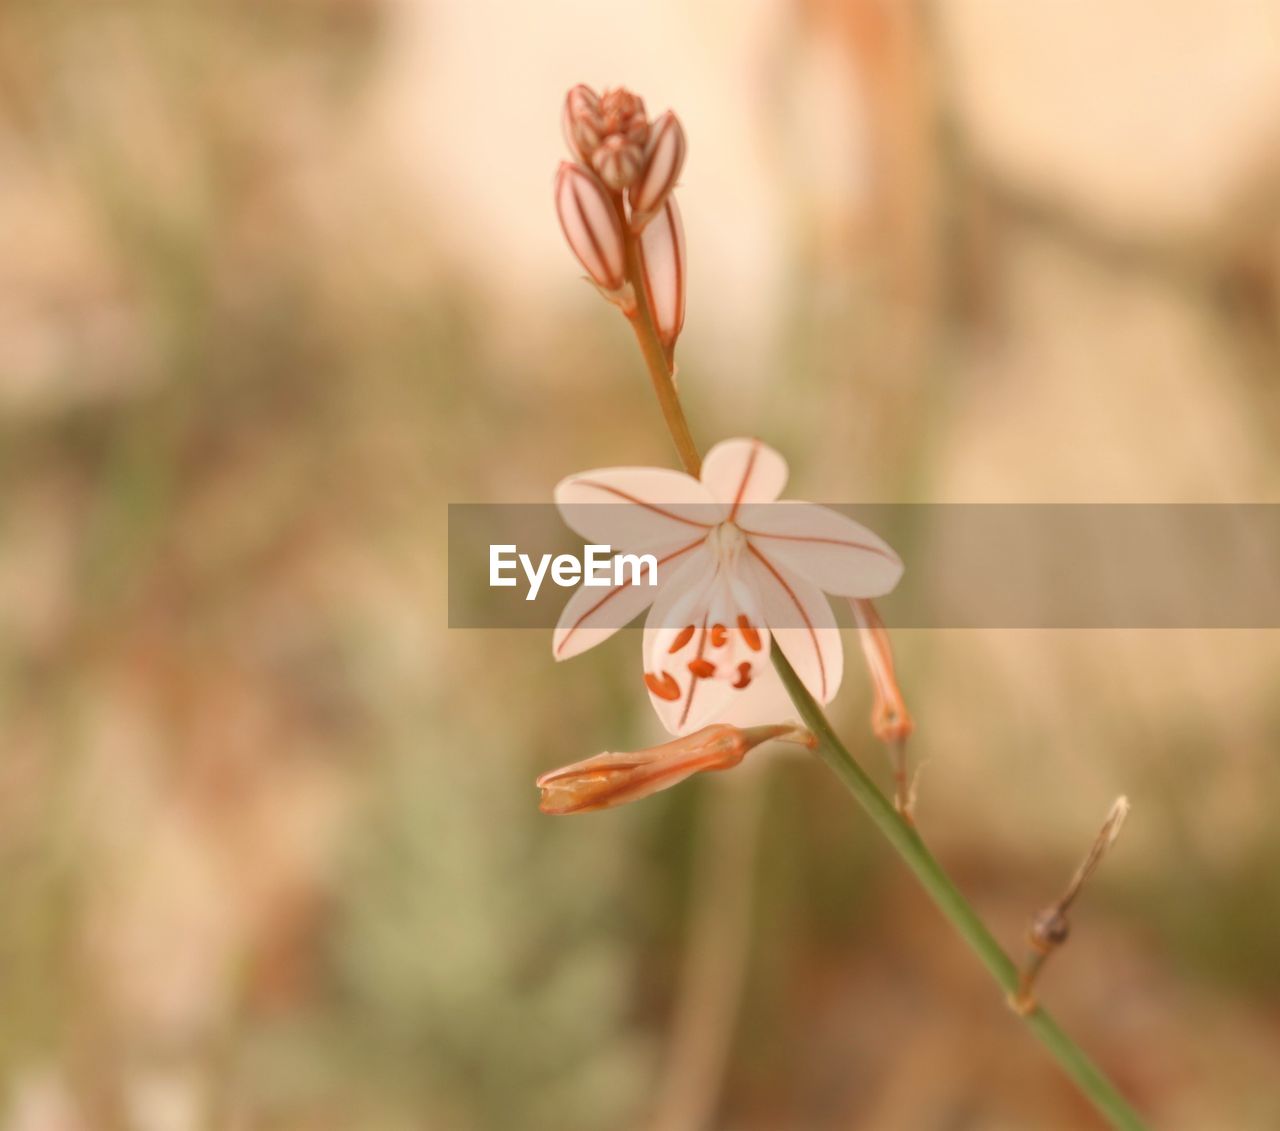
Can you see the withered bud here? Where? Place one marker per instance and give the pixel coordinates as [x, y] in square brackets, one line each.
[1048, 929]
[663, 160]
[890, 719]
[612, 779]
[663, 272]
[591, 225]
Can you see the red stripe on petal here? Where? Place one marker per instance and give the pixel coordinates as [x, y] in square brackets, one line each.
[813, 634]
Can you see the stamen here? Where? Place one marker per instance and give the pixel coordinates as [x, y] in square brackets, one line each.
[686, 634]
[749, 634]
[703, 669]
[664, 686]
[719, 634]
[744, 675]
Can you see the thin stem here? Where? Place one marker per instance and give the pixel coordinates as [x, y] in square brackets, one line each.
[906, 841]
[901, 778]
[658, 362]
[900, 834]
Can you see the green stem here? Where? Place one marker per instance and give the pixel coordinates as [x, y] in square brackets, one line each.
[906, 841]
[902, 837]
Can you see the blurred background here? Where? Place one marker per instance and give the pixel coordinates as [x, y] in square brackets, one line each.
[281, 278]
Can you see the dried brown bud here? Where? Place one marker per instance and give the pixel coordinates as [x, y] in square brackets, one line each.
[591, 225]
[663, 160]
[662, 269]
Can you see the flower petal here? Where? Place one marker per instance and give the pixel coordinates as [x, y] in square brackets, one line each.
[737, 472]
[765, 701]
[801, 622]
[824, 547]
[635, 508]
[593, 614]
[683, 701]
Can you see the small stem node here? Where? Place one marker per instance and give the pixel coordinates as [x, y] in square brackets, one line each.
[1050, 929]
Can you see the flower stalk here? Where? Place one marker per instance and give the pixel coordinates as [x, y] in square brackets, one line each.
[896, 829]
[607, 133]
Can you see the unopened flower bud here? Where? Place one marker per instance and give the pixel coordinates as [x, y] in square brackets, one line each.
[662, 269]
[614, 779]
[663, 160]
[582, 122]
[591, 225]
[623, 132]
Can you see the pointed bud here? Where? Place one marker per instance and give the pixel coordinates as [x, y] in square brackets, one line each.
[581, 122]
[663, 160]
[890, 719]
[614, 779]
[662, 269]
[591, 225]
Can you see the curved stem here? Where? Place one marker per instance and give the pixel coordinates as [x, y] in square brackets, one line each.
[900, 834]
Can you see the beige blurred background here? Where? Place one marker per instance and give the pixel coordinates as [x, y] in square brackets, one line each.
[280, 279]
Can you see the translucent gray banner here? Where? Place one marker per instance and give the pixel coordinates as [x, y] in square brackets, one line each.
[966, 565]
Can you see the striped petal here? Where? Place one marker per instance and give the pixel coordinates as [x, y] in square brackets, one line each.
[636, 508]
[833, 552]
[801, 622]
[594, 614]
[740, 472]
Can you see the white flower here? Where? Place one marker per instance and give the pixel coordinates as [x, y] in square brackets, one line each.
[735, 569]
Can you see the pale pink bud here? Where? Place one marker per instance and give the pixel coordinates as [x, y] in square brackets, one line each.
[617, 161]
[614, 779]
[582, 122]
[662, 269]
[663, 161]
[591, 225]
[623, 131]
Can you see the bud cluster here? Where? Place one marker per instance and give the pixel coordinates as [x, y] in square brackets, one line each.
[619, 189]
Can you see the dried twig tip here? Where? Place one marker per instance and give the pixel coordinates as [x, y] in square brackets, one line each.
[1115, 819]
[1050, 929]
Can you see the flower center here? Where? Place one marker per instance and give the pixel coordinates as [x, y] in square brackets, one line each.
[726, 542]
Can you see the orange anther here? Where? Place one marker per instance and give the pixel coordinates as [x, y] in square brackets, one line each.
[664, 686]
[686, 634]
[749, 633]
[719, 634]
[744, 676]
[703, 669]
